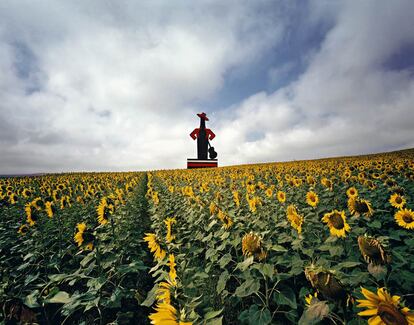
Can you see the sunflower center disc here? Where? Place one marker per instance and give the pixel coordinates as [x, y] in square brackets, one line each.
[337, 221]
[362, 207]
[407, 218]
[390, 315]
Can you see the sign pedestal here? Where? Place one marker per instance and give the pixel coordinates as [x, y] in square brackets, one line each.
[204, 149]
[201, 163]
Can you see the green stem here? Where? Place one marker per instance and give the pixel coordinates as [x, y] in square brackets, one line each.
[113, 228]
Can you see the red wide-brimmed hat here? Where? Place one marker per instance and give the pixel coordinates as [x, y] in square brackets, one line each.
[203, 116]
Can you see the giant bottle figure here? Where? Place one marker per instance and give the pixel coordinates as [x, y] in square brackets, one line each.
[203, 135]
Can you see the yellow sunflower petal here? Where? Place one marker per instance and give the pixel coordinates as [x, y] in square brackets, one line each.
[376, 320]
[369, 295]
[368, 312]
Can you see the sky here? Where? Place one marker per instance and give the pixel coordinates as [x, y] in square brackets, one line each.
[106, 85]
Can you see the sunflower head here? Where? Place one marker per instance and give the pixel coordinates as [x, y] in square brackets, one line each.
[252, 246]
[269, 192]
[26, 193]
[38, 204]
[359, 206]
[281, 196]
[309, 299]
[31, 214]
[154, 246]
[236, 198]
[64, 202]
[23, 229]
[382, 308]
[227, 222]
[352, 192]
[173, 273]
[336, 221]
[312, 199]
[104, 211]
[405, 218]
[50, 209]
[372, 250]
[397, 201]
[294, 218]
[169, 222]
[83, 236]
[213, 208]
[327, 183]
[310, 180]
[390, 182]
[325, 282]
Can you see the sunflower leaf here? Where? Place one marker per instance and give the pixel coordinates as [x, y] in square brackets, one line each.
[247, 288]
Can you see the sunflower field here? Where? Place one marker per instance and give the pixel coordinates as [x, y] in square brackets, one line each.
[326, 241]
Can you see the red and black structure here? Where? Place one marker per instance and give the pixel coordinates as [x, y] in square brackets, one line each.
[203, 136]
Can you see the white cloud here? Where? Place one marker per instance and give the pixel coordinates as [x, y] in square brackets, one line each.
[346, 102]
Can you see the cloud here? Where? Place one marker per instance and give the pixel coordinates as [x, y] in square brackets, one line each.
[347, 101]
[104, 86]
[115, 86]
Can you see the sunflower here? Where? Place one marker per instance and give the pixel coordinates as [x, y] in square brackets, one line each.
[312, 199]
[23, 229]
[79, 234]
[154, 246]
[347, 174]
[310, 298]
[83, 236]
[297, 182]
[50, 209]
[31, 214]
[384, 308]
[325, 282]
[253, 203]
[359, 206]
[13, 198]
[294, 218]
[163, 292]
[104, 211]
[65, 202]
[372, 250]
[336, 221]
[327, 183]
[397, 201]
[269, 192]
[89, 247]
[236, 198]
[370, 184]
[168, 222]
[227, 221]
[213, 208]
[26, 193]
[38, 204]
[155, 198]
[173, 273]
[165, 314]
[252, 246]
[281, 196]
[405, 218]
[390, 182]
[310, 180]
[352, 192]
